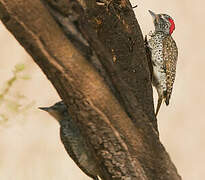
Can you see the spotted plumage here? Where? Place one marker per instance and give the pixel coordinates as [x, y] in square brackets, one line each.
[73, 140]
[163, 54]
[170, 54]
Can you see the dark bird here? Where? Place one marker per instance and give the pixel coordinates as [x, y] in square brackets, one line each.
[73, 141]
[163, 54]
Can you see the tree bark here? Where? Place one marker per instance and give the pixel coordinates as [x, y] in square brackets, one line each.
[93, 53]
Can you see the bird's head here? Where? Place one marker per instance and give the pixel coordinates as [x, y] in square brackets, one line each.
[58, 110]
[163, 23]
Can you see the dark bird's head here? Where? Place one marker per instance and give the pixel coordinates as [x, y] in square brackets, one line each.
[58, 110]
[163, 23]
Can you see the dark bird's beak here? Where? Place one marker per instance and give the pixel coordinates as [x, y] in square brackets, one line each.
[154, 16]
[44, 108]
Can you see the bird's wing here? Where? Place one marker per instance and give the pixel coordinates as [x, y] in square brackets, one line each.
[75, 146]
[170, 55]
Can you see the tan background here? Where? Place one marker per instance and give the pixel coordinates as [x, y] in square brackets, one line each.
[30, 148]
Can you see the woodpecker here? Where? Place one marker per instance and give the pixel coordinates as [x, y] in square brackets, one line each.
[73, 141]
[163, 53]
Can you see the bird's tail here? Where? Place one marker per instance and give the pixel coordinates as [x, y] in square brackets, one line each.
[96, 178]
[158, 105]
[167, 100]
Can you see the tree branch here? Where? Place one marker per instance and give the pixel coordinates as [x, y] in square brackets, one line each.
[102, 75]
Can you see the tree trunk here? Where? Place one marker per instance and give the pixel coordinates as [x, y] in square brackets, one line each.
[93, 53]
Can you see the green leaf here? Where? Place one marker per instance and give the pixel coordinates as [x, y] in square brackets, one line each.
[19, 67]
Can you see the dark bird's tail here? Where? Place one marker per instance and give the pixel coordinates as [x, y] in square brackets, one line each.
[158, 105]
[96, 178]
[167, 100]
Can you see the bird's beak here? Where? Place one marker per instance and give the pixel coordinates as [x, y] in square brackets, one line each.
[44, 108]
[52, 112]
[154, 16]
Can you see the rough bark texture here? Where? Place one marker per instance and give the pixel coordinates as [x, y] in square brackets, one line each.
[93, 53]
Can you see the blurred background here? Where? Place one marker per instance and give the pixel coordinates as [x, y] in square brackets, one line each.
[30, 147]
